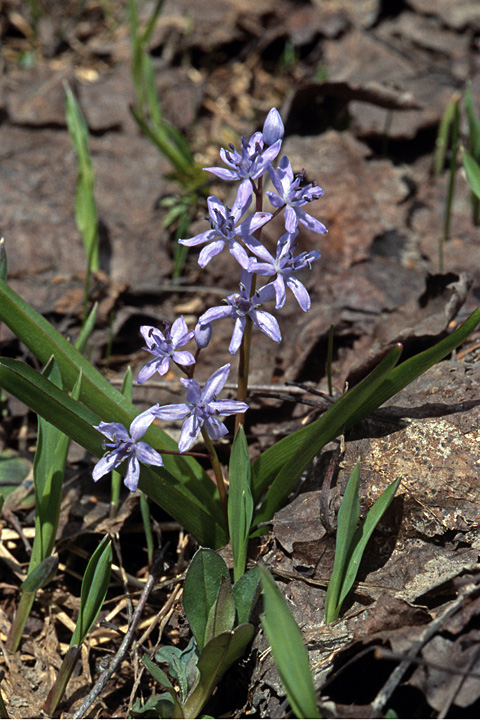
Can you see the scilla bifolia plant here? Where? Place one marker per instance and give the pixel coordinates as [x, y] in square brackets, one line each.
[99, 417]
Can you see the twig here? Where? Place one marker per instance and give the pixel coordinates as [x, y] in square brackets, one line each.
[120, 654]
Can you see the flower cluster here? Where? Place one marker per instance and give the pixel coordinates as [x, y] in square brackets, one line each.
[240, 231]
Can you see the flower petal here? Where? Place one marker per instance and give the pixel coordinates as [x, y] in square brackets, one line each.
[113, 430]
[133, 474]
[190, 431]
[147, 454]
[310, 222]
[267, 324]
[141, 423]
[172, 412]
[215, 427]
[208, 252]
[107, 463]
[300, 292]
[228, 407]
[215, 383]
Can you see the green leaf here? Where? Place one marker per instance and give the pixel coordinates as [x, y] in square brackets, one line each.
[182, 665]
[200, 591]
[86, 215]
[472, 170]
[221, 617]
[48, 473]
[215, 659]
[240, 502]
[283, 464]
[473, 123]
[288, 650]
[94, 589]
[87, 329]
[13, 469]
[246, 592]
[41, 575]
[162, 679]
[348, 516]
[3, 260]
[362, 536]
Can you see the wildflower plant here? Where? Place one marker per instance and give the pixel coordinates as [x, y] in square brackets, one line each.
[87, 409]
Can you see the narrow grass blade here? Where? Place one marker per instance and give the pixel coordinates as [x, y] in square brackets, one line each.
[240, 502]
[86, 215]
[3, 261]
[362, 536]
[288, 650]
[348, 516]
[94, 589]
[472, 170]
[441, 145]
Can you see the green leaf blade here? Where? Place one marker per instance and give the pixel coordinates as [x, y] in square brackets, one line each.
[288, 650]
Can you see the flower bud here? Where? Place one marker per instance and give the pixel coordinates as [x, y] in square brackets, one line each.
[203, 333]
[273, 127]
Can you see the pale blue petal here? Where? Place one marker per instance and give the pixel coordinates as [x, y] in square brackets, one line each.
[310, 222]
[228, 407]
[179, 332]
[238, 330]
[141, 423]
[147, 454]
[267, 324]
[190, 431]
[172, 412]
[194, 393]
[204, 237]
[149, 370]
[291, 220]
[215, 383]
[215, 427]
[208, 252]
[133, 474]
[223, 173]
[300, 293]
[243, 199]
[183, 357]
[215, 313]
[113, 430]
[275, 200]
[107, 463]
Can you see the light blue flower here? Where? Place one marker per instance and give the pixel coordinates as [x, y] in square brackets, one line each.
[125, 446]
[164, 347]
[253, 160]
[293, 196]
[283, 266]
[225, 228]
[239, 306]
[201, 408]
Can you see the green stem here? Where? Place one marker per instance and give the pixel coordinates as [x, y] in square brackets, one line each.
[246, 346]
[217, 469]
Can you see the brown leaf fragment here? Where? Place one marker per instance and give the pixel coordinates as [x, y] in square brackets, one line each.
[435, 678]
[387, 614]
